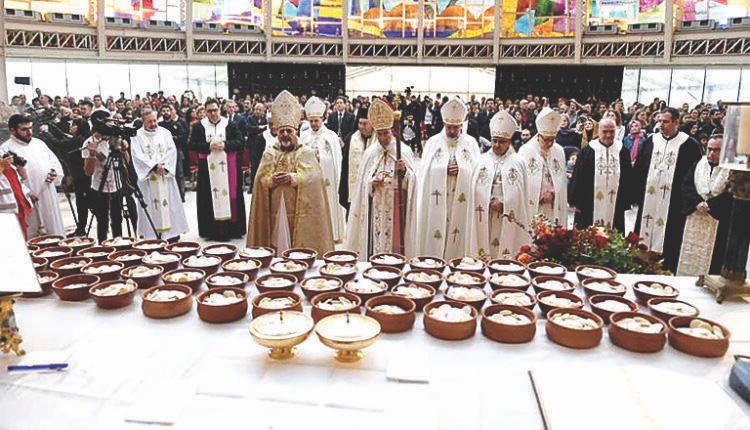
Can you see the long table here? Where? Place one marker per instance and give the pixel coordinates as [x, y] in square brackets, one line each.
[196, 374]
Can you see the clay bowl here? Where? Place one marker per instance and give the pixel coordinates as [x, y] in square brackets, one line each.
[633, 340]
[309, 258]
[32, 249]
[46, 241]
[546, 308]
[449, 330]
[258, 310]
[394, 275]
[419, 302]
[450, 294]
[592, 287]
[434, 263]
[573, 338]
[494, 299]
[167, 265]
[171, 309]
[643, 296]
[435, 274]
[260, 253]
[559, 270]
[239, 277]
[150, 245]
[494, 266]
[40, 264]
[355, 287]
[46, 286]
[664, 316]
[318, 313]
[508, 333]
[477, 281]
[208, 267]
[278, 267]
[242, 265]
[694, 345]
[341, 256]
[390, 259]
[112, 272]
[142, 281]
[604, 314]
[522, 281]
[345, 277]
[185, 249]
[395, 323]
[219, 314]
[311, 292]
[111, 302]
[74, 294]
[78, 243]
[121, 256]
[582, 277]
[454, 263]
[64, 252]
[57, 265]
[263, 288]
[225, 251]
[121, 246]
[96, 253]
[545, 283]
[175, 277]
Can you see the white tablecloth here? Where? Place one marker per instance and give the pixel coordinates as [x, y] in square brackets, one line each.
[204, 374]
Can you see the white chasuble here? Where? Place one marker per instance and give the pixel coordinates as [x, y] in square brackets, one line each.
[549, 169]
[606, 180]
[659, 189]
[326, 144]
[443, 206]
[502, 178]
[218, 171]
[373, 225]
[357, 147]
[699, 237]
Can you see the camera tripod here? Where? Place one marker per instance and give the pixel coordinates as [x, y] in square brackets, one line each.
[123, 190]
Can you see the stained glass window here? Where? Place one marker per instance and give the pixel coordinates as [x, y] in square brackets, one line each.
[307, 17]
[248, 12]
[538, 18]
[383, 19]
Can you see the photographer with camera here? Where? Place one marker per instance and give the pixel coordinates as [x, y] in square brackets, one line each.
[44, 173]
[15, 197]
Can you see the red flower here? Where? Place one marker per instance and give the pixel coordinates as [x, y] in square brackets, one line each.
[524, 249]
[601, 241]
[524, 258]
[632, 238]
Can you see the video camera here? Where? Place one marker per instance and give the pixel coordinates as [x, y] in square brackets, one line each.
[113, 128]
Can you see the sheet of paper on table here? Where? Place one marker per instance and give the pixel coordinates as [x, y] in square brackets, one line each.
[634, 397]
[15, 262]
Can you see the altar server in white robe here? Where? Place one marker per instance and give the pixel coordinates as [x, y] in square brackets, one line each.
[547, 185]
[326, 144]
[499, 197]
[155, 161]
[44, 174]
[374, 222]
[444, 183]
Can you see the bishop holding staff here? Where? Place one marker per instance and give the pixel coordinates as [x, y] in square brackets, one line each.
[290, 206]
[221, 205]
[499, 195]
[444, 187]
[374, 221]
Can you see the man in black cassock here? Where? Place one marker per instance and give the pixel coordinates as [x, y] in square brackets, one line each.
[180, 131]
[256, 124]
[662, 164]
[351, 155]
[600, 187]
[216, 133]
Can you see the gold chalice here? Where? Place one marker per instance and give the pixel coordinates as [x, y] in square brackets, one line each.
[348, 334]
[281, 331]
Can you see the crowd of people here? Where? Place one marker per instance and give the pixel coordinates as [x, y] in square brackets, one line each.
[448, 177]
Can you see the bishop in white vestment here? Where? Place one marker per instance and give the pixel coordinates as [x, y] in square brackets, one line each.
[155, 161]
[545, 158]
[499, 195]
[326, 144]
[444, 183]
[375, 225]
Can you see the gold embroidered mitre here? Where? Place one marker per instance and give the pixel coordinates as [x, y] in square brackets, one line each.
[454, 111]
[380, 115]
[286, 111]
[315, 108]
[503, 125]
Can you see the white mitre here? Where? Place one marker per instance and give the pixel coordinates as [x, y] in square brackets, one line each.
[315, 108]
[286, 111]
[548, 122]
[380, 115]
[454, 111]
[503, 125]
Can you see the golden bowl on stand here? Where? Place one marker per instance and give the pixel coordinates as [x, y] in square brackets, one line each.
[281, 331]
[348, 334]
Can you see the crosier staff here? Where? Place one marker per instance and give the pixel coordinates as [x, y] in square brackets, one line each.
[400, 176]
